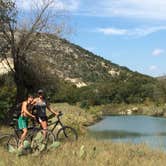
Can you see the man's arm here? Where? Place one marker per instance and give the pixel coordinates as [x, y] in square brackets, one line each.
[24, 108]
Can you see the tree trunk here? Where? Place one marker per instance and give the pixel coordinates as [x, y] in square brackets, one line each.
[21, 89]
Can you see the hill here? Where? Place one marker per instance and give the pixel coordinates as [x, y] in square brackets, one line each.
[161, 78]
[73, 63]
[72, 74]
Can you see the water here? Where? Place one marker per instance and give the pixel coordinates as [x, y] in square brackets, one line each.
[133, 129]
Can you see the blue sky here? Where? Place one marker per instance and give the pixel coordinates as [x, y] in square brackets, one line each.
[131, 33]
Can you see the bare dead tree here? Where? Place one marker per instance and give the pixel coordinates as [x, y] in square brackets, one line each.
[17, 35]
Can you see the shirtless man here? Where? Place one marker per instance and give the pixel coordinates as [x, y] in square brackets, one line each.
[23, 118]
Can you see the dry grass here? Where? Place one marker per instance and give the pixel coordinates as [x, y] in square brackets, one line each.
[86, 151]
[89, 152]
[76, 117]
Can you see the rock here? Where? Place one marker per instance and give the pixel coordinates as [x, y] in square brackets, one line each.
[135, 109]
[129, 112]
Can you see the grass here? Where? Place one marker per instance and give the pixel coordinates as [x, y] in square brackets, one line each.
[77, 117]
[89, 152]
[86, 151]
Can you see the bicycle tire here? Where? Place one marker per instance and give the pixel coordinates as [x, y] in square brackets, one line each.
[4, 139]
[67, 133]
[12, 142]
[50, 138]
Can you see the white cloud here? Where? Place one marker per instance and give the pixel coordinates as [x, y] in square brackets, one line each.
[136, 32]
[158, 52]
[113, 31]
[151, 9]
[153, 68]
[70, 5]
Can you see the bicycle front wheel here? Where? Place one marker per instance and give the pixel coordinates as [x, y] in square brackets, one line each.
[67, 133]
[50, 138]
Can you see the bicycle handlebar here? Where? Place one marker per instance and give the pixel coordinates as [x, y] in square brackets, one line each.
[59, 114]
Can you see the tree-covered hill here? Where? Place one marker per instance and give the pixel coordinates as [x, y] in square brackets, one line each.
[69, 73]
[79, 75]
[75, 64]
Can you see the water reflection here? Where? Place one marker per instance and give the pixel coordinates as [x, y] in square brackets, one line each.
[134, 129]
[121, 134]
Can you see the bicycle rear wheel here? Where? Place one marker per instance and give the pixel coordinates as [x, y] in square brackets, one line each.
[67, 133]
[12, 142]
[4, 139]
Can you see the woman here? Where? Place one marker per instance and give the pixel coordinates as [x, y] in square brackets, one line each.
[40, 105]
[23, 118]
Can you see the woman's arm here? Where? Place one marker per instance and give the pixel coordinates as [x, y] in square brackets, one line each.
[54, 112]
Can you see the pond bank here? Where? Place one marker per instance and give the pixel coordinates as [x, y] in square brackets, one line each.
[134, 109]
[87, 151]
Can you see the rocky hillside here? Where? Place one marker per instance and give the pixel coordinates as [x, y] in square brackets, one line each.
[73, 63]
[161, 78]
[52, 60]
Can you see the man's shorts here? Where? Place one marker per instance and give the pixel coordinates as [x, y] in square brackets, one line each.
[22, 122]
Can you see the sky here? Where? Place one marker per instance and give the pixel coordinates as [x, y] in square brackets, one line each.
[130, 33]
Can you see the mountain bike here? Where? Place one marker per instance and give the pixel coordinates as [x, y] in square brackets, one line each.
[64, 133]
[33, 132]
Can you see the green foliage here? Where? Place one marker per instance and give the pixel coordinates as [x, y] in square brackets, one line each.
[50, 60]
[7, 95]
[84, 104]
[133, 89]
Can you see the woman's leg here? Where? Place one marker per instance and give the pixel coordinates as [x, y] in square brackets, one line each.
[44, 127]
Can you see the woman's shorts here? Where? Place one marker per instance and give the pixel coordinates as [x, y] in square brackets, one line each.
[22, 122]
[42, 118]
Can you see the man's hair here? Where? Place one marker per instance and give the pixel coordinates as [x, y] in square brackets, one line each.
[30, 96]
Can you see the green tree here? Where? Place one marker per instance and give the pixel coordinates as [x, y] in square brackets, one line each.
[17, 39]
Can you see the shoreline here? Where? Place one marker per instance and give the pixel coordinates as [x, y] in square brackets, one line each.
[150, 109]
[88, 151]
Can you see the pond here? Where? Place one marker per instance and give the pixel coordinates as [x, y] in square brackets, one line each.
[133, 129]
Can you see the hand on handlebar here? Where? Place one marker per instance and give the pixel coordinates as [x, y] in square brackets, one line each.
[58, 113]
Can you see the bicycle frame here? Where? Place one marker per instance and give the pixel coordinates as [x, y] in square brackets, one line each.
[56, 123]
[17, 131]
[34, 128]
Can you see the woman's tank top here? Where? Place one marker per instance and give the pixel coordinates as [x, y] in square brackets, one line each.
[40, 106]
